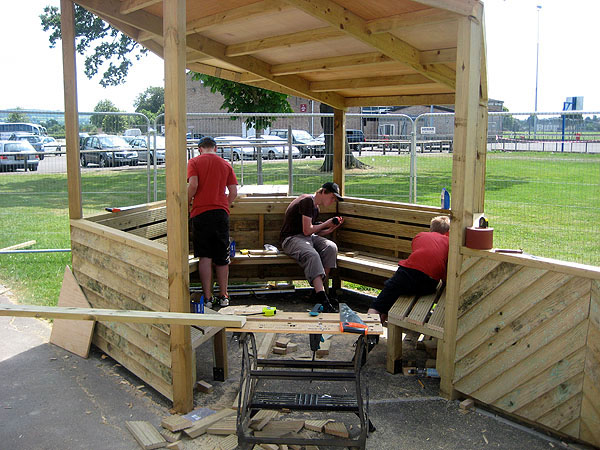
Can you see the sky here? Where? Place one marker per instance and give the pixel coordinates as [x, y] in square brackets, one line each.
[31, 74]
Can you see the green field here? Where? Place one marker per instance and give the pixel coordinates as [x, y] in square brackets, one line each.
[546, 204]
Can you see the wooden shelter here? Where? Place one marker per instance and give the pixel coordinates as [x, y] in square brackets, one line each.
[349, 53]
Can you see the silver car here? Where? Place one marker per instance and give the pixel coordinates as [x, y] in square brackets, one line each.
[235, 148]
[140, 144]
[274, 147]
[18, 155]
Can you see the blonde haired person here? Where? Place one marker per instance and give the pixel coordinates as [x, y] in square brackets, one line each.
[421, 272]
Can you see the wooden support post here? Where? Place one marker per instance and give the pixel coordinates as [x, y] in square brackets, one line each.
[482, 128]
[339, 148]
[394, 353]
[177, 233]
[220, 355]
[67, 23]
[468, 68]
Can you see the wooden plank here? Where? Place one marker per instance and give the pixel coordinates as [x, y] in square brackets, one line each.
[151, 231]
[545, 403]
[572, 428]
[401, 308]
[229, 443]
[225, 426]
[299, 328]
[145, 434]
[131, 219]
[382, 226]
[203, 424]
[394, 348]
[129, 6]
[324, 64]
[18, 246]
[471, 317]
[548, 355]
[113, 315]
[564, 307]
[336, 429]
[511, 310]
[421, 309]
[563, 414]
[388, 211]
[74, 336]
[67, 22]
[170, 436]
[590, 408]
[436, 321]
[299, 317]
[278, 428]
[374, 241]
[220, 352]
[474, 275]
[175, 423]
[262, 418]
[382, 268]
[410, 19]
[590, 414]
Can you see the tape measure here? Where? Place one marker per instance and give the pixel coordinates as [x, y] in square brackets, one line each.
[269, 310]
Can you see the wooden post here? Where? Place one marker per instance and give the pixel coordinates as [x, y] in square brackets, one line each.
[339, 148]
[67, 24]
[177, 211]
[482, 128]
[468, 67]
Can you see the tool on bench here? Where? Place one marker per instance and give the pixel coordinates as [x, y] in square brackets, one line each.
[266, 311]
[317, 309]
[350, 322]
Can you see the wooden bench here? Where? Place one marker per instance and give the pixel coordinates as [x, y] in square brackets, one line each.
[423, 314]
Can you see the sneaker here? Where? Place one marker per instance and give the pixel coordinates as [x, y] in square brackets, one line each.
[208, 302]
[222, 300]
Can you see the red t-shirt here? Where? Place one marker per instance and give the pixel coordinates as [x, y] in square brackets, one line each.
[214, 174]
[429, 254]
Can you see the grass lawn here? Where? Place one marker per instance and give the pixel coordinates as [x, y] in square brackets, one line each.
[546, 204]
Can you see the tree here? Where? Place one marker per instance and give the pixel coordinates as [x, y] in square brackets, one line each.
[327, 124]
[15, 117]
[111, 123]
[150, 103]
[112, 47]
[240, 98]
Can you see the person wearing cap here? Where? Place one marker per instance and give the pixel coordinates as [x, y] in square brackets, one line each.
[208, 174]
[302, 238]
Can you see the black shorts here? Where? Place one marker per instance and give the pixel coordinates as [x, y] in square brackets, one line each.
[404, 282]
[211, 236]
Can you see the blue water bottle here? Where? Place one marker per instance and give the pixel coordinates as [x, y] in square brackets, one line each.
[445, 199]
[232, 248]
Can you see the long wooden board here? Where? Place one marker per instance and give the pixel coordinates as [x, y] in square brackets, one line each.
[114, 315]
[74, 336]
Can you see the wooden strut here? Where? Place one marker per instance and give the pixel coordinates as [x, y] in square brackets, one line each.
[115, 315]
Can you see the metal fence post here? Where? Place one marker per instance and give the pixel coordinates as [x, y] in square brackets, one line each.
[290, 162]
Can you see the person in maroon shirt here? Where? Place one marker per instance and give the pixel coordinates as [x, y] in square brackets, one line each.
[421, 273]
[302, 238]
[208, 174]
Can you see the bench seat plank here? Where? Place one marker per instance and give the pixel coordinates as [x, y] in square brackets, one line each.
[421, 309]
[401, 308]
[367, 265]
[436, 321]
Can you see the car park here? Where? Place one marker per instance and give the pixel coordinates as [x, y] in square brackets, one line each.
[235, 148]
[308, 145]
[17, 154]
[140, 144]
[274, 147]
[107, 150]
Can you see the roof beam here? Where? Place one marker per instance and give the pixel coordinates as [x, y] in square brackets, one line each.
[410, 20]
[129, 6]
[253, 65]
[286, 40]
[141, 19]
[323, 64]
[402, 100]
[462, 7]
[359, 83]
[441, 56]
[243, 12]
[386, 43]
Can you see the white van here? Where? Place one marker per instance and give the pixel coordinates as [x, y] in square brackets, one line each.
[133, 132]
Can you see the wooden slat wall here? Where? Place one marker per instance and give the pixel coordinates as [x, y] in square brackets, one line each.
[528, 341]
[116, 272]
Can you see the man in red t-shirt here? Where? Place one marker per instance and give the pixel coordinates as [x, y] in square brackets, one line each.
[421, 272]
[208, 174]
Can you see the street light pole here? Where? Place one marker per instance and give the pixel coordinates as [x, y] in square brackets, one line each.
[537, 58]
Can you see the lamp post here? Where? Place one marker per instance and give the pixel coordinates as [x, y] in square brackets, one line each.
[537, 58]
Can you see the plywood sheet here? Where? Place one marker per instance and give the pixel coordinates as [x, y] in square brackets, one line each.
[72, 335]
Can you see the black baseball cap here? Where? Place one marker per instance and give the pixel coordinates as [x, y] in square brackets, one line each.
[207, 142]
[334, 189]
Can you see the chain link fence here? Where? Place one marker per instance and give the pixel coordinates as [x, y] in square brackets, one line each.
[542, 177]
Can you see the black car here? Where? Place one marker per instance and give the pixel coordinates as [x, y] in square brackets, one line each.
[110, 150]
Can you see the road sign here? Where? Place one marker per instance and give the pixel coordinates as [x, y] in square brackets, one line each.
[303, 107]
[427, 130]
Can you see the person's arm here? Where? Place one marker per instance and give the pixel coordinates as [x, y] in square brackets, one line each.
[232, 193]
[322, 229]
[192, 188]
[332, 228]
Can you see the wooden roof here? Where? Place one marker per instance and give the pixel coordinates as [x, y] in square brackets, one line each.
[341, 52]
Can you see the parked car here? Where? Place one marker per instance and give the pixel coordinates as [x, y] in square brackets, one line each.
[114, 151]
[23, 156]
[50, 144]
[274, 147]
[141, 146]
[33, 139]
[236, 146]
[308, 145]
[356, 138]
